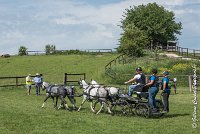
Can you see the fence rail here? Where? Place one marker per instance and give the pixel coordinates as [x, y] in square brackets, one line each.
[67, 79]
[99, 50]
[193, 53]
[14, 81]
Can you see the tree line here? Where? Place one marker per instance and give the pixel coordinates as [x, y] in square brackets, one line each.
[49, 49]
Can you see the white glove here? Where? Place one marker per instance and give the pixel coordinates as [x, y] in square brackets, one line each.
[126, 82]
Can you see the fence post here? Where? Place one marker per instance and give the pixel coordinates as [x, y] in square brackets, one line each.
[182, 51]
[194, 52]
[190, 82]
[16, 82]
[65, 79]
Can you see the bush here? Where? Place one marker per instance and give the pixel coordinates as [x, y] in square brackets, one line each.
[175, 67]
[22, 51]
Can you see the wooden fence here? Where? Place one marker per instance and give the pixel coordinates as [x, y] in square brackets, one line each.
[185, 52]
[35, 52]
[108, 67]
[13, 81]
[99, 50]
[73, 78]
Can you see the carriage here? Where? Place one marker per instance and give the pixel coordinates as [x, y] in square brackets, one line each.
[123, 104]
[110, 97]
[138, 105]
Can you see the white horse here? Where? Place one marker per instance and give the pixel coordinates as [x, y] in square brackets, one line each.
[111, 90]
[99, 94]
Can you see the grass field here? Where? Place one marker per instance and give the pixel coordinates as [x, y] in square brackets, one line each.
[22, 114]
[54, 67]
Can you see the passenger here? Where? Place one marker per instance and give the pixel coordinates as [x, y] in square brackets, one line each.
[165, 91]
[140, 80]
[154, 87]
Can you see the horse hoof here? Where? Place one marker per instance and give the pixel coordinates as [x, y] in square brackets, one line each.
[76, 109]
[68, 109]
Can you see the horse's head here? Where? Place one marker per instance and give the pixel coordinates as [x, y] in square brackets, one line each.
[83, 84]
[94, 83]
[44, 85]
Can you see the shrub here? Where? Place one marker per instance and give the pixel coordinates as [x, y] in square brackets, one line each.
[22, 51]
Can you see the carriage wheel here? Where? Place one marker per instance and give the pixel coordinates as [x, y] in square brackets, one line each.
[121, 107]
[125, 108]
[142, 109]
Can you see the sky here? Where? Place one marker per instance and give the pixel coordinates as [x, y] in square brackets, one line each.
[82, 24]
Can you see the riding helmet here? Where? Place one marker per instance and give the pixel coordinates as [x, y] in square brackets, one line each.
[138, 69]
[166, 73]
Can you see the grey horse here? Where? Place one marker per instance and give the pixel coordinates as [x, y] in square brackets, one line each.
[61, 92]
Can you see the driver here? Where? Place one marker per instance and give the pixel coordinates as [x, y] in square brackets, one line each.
[139, 79]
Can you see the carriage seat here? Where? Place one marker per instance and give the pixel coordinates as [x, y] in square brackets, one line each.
[142, 94]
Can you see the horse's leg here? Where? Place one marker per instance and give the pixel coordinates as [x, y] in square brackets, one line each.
[64, 103]
[100, 108]
[108, 107]
[104, 103]
[73, 101]
[56, 102]
[93, 106]
[53, 99]
[83, 101]
[45, 100]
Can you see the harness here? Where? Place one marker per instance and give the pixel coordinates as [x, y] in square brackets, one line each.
[50, 89]
[88, 93]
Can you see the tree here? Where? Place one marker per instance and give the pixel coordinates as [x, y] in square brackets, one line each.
[50, 49]
[157, 23]
[22, 51]
[132, 41]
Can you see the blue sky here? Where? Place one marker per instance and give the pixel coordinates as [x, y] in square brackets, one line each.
[81, 24]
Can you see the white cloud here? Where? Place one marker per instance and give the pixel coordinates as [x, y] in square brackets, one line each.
[64, 23]
[67, 21]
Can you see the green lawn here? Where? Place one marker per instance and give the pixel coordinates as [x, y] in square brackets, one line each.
[54, 67]
[22, 114]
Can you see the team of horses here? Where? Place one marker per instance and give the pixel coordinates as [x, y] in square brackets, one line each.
[94, 93]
